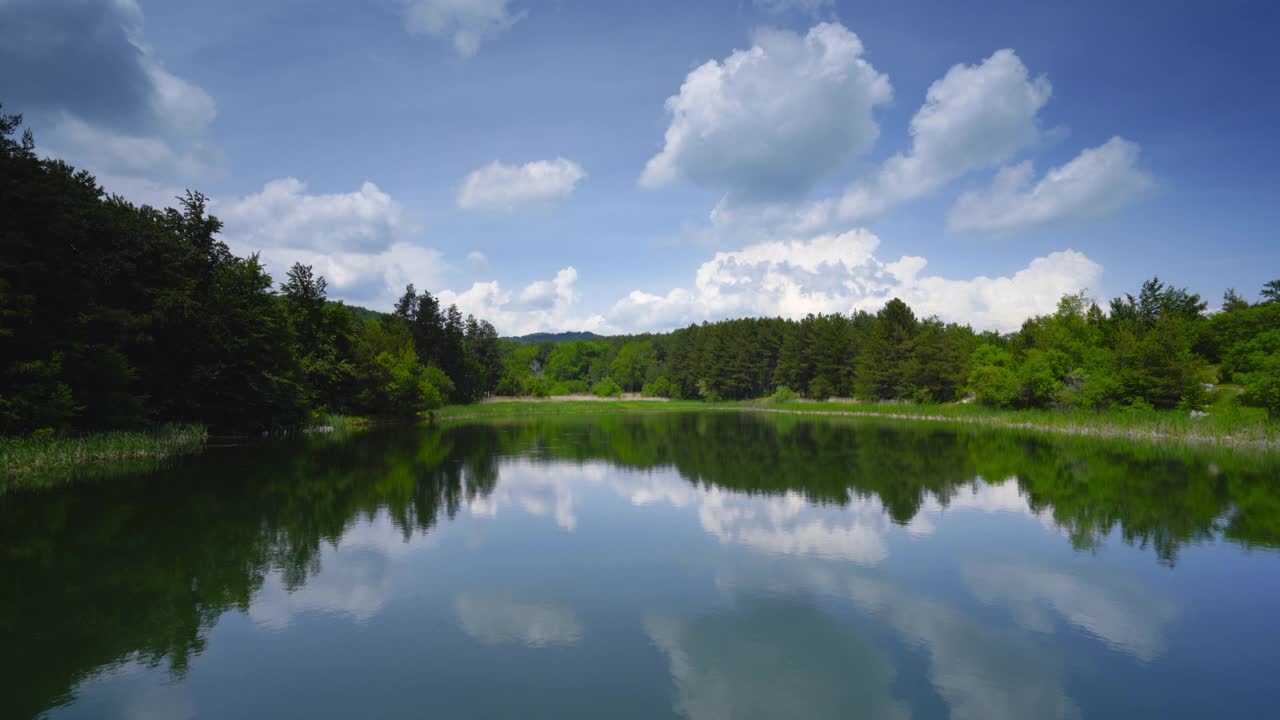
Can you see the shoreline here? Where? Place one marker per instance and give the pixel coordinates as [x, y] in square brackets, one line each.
[1160, 427]
[23, 457]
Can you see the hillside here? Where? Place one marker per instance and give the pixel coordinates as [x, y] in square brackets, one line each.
[556, 337]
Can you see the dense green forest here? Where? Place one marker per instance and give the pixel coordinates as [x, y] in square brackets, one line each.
[118, 316]
[1161, 349]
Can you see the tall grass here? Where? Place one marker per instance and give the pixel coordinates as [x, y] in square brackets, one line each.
[334, 423]
[39, 453]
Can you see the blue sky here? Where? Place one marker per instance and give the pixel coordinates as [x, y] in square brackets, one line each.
[624, 166]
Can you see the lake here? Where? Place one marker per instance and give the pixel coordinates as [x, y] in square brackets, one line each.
[687, 564]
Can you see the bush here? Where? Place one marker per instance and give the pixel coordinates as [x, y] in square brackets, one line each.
[508, 385]
[434, 387]
[537, 388]
[1039, 378]
[607, 388]
[707, 392]
[1195, 397]
[660, 387]
[782, 394]
[993, 385]
[1139, 406]
[576, 387]
[820, 389]
[1262, 387]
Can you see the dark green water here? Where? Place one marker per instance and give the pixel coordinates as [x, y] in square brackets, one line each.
[698, 565]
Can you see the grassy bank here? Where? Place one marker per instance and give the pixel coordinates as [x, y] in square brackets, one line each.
[332, 423]
[20, 456]
[1225, 426]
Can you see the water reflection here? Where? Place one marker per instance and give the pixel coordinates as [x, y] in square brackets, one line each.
[773, 659]
[138, 570]
[354, 576]
[980, 672]
[539, 489]
[1118, 610]
[498, 618]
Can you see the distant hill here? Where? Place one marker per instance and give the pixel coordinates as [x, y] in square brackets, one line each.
[360, 314]
[556, 337]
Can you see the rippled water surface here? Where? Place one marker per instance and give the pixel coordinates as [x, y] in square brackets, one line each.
[697, 565]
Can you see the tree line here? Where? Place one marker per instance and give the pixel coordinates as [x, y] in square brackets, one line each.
[1160, 349]
[117, 316]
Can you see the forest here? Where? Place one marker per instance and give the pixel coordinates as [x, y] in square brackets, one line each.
[1160, 349]
[114, 316]
[118, 316]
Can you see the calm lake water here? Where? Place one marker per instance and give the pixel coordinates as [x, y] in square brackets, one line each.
[696, 565]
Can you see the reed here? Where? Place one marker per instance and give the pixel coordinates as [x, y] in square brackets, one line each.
[42, 452]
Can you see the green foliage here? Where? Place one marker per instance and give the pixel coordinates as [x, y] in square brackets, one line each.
[118, 316]
[882, 372]
[607, 388]
[537, 388]
[45, 451]
[1271, 292]
[632, 364]
[569, 387]
[660, 387]
[1151, 349]
[992, 378]
[782, 394]
[1262, 385]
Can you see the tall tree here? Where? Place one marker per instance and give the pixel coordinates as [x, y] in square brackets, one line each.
[882, 370]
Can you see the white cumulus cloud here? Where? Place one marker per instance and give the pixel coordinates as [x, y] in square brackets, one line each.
[498, 186]
[842, 273]
[467, 22]
[185, 106]
[1097, 182]
[360, 241]
[541, 305]
[285, 215]
[771, 120]
[101, 99]
[132, 157]
[477, 261]
[974, 117]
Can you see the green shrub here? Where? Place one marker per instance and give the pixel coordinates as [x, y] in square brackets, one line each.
[1262, 386]
[607, 388]
[1139, 406]
[782, 394]
[660, 387]
[820, 389]
[537, 388]
[993, 386]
